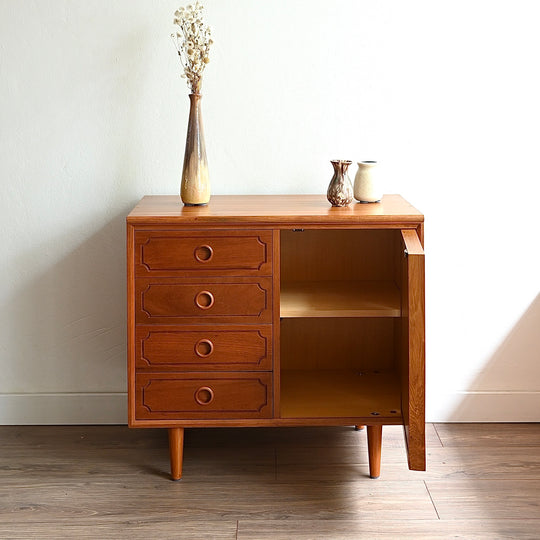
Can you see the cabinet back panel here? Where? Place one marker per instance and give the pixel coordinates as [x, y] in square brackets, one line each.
[318, 255]
[334, 343]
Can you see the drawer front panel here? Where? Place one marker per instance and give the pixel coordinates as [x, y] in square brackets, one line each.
[204, 348]
[182, 254]
[233, 300]
[225, 395]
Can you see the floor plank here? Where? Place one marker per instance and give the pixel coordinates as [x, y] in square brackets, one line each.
[489, 434]
[91, 481]
[485, 499]
[133, 529]
[388, 530]
[349, 464]
[192, 500]
[81, 437]
[204, 464]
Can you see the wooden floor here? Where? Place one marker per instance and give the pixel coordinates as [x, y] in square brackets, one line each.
[483, 481]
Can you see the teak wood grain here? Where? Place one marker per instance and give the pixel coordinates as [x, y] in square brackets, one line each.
[413, 348]
[276, 311]
[348, 255]
[176, 396]
[340, 394]
[200, 253]
[204, 348]
[201, 301]
[176, 451]
[312, 210]
[314, 343]
[340, 299]
[374, 434]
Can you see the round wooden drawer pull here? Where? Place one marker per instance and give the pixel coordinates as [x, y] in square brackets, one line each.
[204, 253]
[204, 300]
[204, 395]
[204, 348]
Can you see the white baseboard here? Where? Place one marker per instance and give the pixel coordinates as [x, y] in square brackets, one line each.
[485, 407]
[67, 408]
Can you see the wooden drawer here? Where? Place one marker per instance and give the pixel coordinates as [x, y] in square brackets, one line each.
[162, 396]
[204, 348]
[184, 254]
[213, 300]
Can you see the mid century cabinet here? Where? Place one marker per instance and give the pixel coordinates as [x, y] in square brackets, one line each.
[271, 311]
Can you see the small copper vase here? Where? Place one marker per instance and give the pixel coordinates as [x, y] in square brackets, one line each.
[340, 191]
[195, 187]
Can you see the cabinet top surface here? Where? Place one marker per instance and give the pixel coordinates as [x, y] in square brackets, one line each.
[272, 210]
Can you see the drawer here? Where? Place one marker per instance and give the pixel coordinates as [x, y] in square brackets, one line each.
[166, 396]
[195, 253]
[213, 300]
[204, 348]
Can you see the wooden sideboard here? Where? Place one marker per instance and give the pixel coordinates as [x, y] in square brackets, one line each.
[276, 310]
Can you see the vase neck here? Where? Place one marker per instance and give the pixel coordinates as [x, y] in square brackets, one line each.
[340, 166]
[195, 108]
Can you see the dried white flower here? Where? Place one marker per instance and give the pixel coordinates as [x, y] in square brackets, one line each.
[192, 43]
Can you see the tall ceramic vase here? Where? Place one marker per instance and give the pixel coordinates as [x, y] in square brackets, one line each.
[366, 183]
[195, 187]
[340, 191]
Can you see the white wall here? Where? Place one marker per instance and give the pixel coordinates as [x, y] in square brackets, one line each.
[93, 116]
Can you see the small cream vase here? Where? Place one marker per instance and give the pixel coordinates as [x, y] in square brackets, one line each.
[366, 183]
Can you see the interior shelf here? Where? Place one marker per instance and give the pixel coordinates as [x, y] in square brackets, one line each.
[340, 394]
[340, 299]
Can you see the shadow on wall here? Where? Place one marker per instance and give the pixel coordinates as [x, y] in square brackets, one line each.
[65, 360]
[508, 388]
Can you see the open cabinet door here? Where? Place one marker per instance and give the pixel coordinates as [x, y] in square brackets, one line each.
[412, 353]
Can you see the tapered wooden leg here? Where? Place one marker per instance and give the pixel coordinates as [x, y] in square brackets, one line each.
[374, 436]
[358, 427]
[176, 450]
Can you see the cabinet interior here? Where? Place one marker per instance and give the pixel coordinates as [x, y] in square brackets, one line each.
[340, 325]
